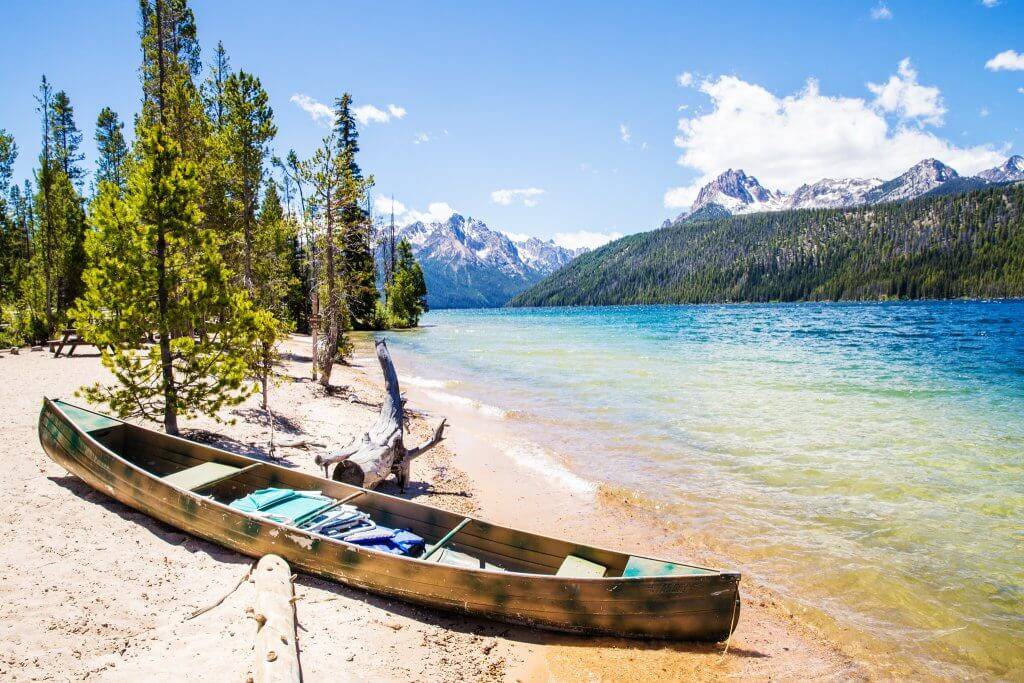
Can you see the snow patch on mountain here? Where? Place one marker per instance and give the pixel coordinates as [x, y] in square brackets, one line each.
[735, 192]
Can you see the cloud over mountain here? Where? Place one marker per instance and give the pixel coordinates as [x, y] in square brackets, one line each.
[791, 138]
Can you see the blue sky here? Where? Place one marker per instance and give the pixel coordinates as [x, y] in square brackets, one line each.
[605, 117]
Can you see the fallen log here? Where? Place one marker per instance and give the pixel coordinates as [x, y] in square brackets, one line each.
[276, 652]
[381, 452]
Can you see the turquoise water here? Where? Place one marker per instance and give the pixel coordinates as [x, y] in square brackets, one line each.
[866, 459]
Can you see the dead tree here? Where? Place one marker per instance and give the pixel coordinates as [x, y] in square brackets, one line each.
[381, 451]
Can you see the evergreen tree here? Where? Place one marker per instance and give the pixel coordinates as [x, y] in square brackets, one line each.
[170, 63]
[66, 138]
[356, 226]
[150, 255]
[10, 252]
[324, 174]
[113, 151]
[278, 268]
[215, 86]
[407, 292]
[58, 258]
[248, 128]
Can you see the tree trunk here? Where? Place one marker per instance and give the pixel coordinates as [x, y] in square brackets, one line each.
[329, 351]
[381, 451]
[276, 653]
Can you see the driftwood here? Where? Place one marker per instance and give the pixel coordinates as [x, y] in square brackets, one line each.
[276, 653]
[381, 451]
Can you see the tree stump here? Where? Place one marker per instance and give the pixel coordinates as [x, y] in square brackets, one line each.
[276, 652]
[381, 452]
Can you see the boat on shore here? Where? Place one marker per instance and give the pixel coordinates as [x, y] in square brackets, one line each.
[470, 566]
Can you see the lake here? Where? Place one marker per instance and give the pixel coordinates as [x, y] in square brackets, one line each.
[864, 460]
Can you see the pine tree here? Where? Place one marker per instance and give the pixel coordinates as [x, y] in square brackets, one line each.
[113, 151]
[407, 292]
[170, 63]
[66, 137]
[248, 127]
[324, 173]
[58, 259]
[10, 253]
[153, 261]
[356, 226]
[215, 85]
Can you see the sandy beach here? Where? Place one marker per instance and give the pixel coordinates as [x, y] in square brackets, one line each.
[91, 589]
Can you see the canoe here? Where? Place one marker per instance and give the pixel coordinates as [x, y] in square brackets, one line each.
[483, 569]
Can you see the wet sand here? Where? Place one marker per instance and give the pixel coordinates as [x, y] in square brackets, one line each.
[91, 589]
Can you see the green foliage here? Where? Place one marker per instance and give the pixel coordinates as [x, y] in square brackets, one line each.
[66, 137]
[356, 227]
[10, 253]
[248, 127]
[968, 245]
[407, 291]
[58, 256]
[146, 247]
[279, 271]
[113, 151]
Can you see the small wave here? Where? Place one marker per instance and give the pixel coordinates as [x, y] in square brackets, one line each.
[425, 383]
[533, 457]
[463, 402]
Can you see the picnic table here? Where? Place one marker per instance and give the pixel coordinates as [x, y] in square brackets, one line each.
[71, 339]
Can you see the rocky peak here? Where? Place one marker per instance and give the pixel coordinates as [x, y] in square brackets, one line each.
[735, 192]
[1011, 170]
[922, 177]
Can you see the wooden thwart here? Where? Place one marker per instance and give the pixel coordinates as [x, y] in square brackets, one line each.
[447, 537]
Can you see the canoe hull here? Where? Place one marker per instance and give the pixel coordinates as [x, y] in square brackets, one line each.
[702, 607]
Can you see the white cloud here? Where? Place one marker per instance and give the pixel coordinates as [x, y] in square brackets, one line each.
[319, 111]
[904, 96]
[421, 138]
[983, 112]
[384, 205]
[1020, 90]
[436, 211]
[684, 80]
[624, 133]
[584, 238]
[789, 140]
[366, 114]
[527, 195]
[881, 12]
[990, 3]
[515, 236]
[1007, 60]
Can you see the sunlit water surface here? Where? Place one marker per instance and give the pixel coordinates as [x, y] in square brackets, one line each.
[865, 459]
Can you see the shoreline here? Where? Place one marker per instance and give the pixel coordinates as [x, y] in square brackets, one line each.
[120, 612]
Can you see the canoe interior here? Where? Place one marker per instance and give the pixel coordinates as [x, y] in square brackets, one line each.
[510, 549]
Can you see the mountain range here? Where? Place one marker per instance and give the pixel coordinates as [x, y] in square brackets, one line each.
[734, 192]
[466, 264]
[940, 245]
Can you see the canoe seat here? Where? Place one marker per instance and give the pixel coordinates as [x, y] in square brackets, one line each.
[578, 568]
[454, 558]
[201, 476]
[644, 566]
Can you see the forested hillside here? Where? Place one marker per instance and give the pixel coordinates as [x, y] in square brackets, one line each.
[967, 245]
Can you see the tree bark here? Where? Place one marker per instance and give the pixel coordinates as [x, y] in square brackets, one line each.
[276, 653]
[381, 451]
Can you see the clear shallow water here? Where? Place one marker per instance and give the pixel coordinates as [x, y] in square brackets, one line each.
[865, 458]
